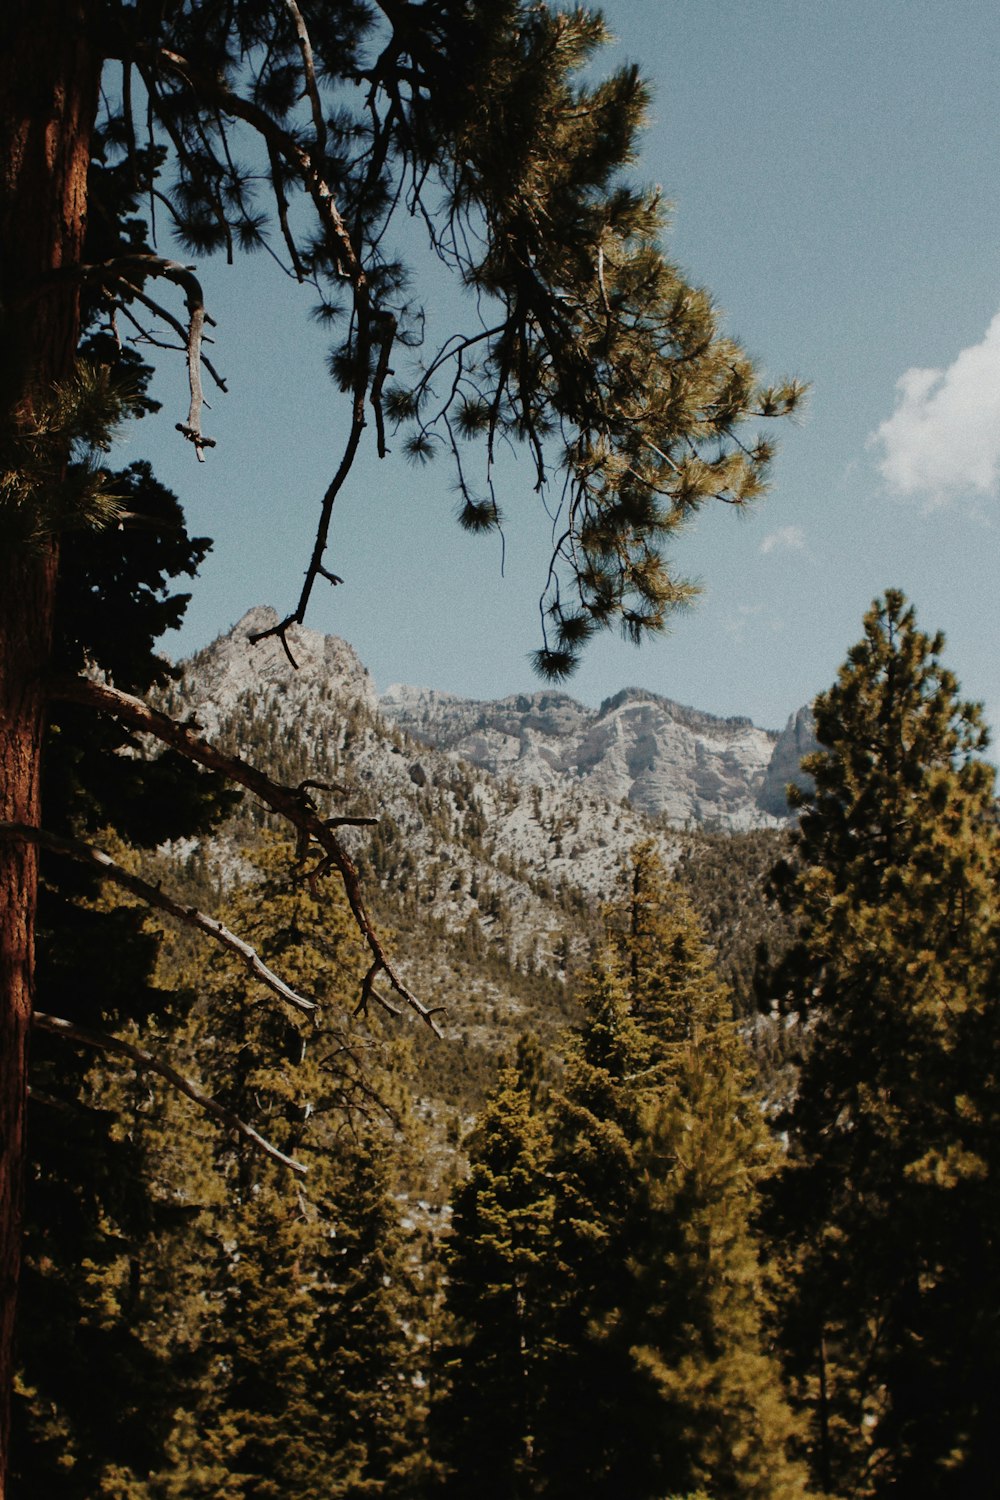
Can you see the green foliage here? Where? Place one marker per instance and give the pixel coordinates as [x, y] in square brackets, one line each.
[893, 887]
[583, 346]
[660, 1149]
[496, 1292]
[248, 1338]
[308, 1293]
[634, 1318]
[51, 475]
[90, 1392]
[726, 876]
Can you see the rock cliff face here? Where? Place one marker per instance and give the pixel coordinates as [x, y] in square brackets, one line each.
[798, 738]
[665, 759]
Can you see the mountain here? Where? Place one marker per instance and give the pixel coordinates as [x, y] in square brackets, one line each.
[500, 830]
[322, 720]
[666, 760]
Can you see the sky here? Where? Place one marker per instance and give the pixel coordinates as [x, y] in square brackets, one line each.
[833, 169]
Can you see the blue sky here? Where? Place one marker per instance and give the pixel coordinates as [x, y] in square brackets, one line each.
[833, 166]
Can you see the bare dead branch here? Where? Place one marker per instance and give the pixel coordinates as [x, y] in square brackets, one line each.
[309, 166]
[316, 568]
[378, 381]
[603, 284]
[291, 803]
[184, 277]
[175, 323]
[148, 1062]
[309, 69]
[153, 895]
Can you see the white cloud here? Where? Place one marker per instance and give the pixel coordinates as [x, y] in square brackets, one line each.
[785, 539]
[944, 436]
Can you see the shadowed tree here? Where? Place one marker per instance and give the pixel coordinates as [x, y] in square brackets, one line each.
[484, 1426]
[605, 1270]
[662, 1373]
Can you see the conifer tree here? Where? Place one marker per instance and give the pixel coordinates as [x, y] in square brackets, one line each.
[894, 888]
[309, 1385]
[605, 1267]
[485, 1422]
[662, 1376]
[90, 1393]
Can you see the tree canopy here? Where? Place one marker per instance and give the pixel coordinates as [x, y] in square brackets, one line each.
[886, 1209]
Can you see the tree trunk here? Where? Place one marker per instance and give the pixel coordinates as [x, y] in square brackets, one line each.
[26, 595]
[49, 76]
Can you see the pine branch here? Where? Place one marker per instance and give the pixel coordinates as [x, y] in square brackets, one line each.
[291, 803]
[148, 1062]
[153, 895]
[307, 164]
[309, 70]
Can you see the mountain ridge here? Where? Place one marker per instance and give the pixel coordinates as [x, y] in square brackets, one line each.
[667, 760]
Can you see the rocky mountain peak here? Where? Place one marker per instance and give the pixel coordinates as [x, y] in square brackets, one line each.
[232, 668]
[663, 758]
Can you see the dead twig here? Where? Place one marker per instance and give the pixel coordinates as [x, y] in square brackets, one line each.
[291, 803]
[154, 895]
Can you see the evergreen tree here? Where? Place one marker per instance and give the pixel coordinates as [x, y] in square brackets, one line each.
[484, 1424]
[672, 1307]
[307, 1386]
[886, 1212]
[89, 1392]
[597, 1419]
[605, 1272]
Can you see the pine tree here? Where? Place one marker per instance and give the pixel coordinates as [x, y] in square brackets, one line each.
[308, 1388]
[484, 1423]
[90, 1393]
[893, 885]
[662, 1375]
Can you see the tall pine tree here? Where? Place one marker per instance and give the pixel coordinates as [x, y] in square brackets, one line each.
[661, 1290]
[307, 1372]
[886, 1211]
[604, 1251]
[485, 1423]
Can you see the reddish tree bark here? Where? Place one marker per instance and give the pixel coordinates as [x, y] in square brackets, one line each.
[49, 76]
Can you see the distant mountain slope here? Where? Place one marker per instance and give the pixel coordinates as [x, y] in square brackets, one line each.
[462, 843]
[665, 759]
[496, 845]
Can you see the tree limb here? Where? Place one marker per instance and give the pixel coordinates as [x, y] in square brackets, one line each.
[147, 1062]
[308, 164]
[293, 804]
[184, 277]
[309, 70]
[153, 895]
